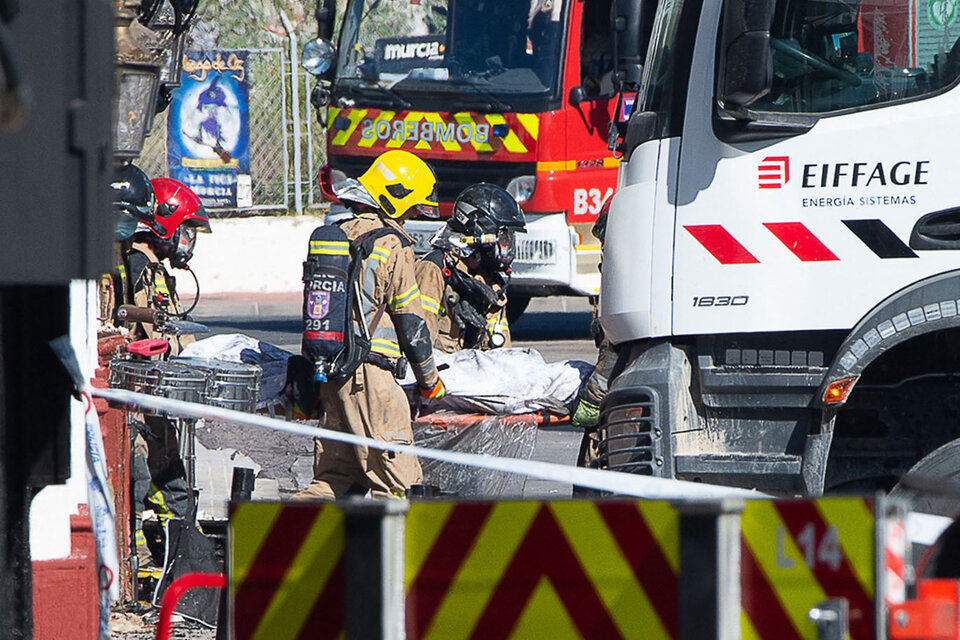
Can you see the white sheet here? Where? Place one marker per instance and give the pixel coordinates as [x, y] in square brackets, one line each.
[501, 381]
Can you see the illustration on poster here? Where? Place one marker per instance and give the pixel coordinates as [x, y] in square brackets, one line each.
[212, 128]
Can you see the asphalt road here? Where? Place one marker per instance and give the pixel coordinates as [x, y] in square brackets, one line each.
[556, 327]
[559, 327]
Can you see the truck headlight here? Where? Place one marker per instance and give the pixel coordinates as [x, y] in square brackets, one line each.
[317, 57]
[522, 187]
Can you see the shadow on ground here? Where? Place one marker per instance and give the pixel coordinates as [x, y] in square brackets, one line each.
[251, 325]
[531, 326]
[551, 325]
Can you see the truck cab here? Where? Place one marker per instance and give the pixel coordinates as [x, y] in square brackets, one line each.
[781, 261]
[518, 94]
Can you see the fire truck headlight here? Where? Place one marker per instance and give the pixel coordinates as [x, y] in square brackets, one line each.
[522, 187]
[318, 56]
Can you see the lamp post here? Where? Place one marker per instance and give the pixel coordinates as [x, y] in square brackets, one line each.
[170, 46]
[139, 60]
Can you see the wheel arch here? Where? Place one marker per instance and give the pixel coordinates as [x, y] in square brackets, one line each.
[926, 307]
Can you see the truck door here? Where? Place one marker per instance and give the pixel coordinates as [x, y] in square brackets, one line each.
[591, 103]
[811, 225]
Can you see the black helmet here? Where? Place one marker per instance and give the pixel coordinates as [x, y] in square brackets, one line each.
[486, 218]
[133, 199]
[133, 193]
[484, 209]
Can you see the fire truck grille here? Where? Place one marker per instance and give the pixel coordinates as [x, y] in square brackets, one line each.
[630, 439]
[537, 252]
[453, 176]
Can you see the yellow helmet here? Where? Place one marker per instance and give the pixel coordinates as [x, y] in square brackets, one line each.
[399, 180]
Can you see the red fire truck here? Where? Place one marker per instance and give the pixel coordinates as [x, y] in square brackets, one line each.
[519, 94]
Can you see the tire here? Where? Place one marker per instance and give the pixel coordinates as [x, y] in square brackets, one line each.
[516, 305]
[942, 560]
[933, 484]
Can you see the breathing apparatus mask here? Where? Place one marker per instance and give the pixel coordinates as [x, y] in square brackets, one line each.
[492, 252]
[501, 253]
[183, 241]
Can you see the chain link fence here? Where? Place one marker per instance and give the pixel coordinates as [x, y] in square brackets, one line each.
[272, 137]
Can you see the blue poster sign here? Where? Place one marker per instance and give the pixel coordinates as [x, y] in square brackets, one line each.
[208, 135]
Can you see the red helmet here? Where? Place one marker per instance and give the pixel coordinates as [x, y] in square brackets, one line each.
[176, 205]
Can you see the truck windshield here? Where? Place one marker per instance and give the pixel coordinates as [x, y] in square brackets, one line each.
[830, 55]
[472, 54]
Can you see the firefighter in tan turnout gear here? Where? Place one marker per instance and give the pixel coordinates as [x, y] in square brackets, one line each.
[160, 479]
[369, 401]
[464, 279]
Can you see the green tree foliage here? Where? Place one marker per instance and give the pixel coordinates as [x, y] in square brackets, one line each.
[250, 24]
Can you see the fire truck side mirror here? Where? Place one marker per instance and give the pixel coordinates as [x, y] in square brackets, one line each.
[631, 22]
[577, 95]
[745, 61]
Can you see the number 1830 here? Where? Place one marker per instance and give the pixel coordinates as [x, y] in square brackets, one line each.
[720, 301]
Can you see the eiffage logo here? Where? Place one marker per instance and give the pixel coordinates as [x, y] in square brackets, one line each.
[773, 172]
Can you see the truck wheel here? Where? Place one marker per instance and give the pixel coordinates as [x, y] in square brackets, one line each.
[516, 305]
[933, 484]
[942, 560]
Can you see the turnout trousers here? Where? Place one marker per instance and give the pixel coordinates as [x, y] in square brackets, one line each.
[369, 403]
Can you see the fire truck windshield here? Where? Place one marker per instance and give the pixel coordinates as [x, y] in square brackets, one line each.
[478, 54]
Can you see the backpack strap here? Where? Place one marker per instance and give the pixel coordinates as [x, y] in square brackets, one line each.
[363, 245]
[435, 256]
[378, 233]
[365, 241]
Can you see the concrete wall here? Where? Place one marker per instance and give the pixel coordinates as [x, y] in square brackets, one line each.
[250, 255]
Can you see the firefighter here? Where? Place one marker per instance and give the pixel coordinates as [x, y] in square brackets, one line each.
[171, 236]
[134, 202]
[369, 402]
[586, 415]
[160, 480]
[464, 278]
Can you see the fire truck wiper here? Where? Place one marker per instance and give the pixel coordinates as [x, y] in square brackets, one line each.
[495, 103]
[394, 99]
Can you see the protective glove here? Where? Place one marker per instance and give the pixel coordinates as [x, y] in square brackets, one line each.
[481, 295]
[300, 386]
[435, 393]
[465, 314]
[586, 416]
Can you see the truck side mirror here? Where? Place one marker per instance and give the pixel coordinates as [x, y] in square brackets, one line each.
[577, 95]
[745, 61]
[630, 22]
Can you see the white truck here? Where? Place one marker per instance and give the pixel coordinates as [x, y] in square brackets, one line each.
[781, 269]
